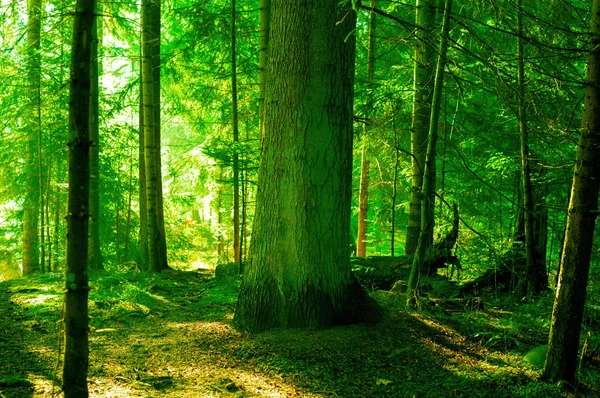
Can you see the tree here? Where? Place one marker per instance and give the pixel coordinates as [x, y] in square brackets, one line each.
[95, 252]
[264, 28]
[76, 287]
[363, 202]
[424, 69]
[299, 273]
[236, 139]
[150, 117]
[535, 273]
[420, 263]
[31, 260]
[567, 313]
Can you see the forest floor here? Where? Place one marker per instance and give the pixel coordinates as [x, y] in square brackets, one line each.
[170, 335]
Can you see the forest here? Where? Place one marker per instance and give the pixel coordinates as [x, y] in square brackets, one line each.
[320, 198]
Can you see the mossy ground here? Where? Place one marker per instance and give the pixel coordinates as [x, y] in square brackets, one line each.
[170, 335]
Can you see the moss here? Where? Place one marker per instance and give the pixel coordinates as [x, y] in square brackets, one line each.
[537, 356]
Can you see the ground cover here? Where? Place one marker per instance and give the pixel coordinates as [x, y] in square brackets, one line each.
[170, 335]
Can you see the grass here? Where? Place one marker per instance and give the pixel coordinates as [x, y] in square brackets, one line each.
[170, 335]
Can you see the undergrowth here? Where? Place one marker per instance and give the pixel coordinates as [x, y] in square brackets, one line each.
[170, 335]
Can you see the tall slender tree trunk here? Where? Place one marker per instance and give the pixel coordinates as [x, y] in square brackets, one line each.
[420, 265]
[298, 274]
[31, 258]
[95, 253]
[567, 314]
[56, 230]
[220, 249]
[42, 205]
[423, 94]
[532, 283]
[156, 248]
[155, 26]
[129, 201]
[363, 200]
[151, 177]
[49, 266]
[76, 293]
[143, 230]
[394, 192]
[264, 28]
[236, 139]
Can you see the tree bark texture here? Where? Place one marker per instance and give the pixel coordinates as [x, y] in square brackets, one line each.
[563, 342]
[156, 248]
[31, 260]
[76, 296]
[420, 265]
[95, 253]
[298, 274]
[424, 69]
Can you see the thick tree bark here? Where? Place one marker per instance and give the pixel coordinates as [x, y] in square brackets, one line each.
[76, 295]
[563, 342]
[95, 253]
[423, 94]
[31, 260]
[420, 265]
[299, 271]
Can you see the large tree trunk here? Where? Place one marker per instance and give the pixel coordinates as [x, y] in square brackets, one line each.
[76, 293]
[420, 265]
[31, 261]
[95, 253]
[299, 272]
[423, 94]
[563, 342]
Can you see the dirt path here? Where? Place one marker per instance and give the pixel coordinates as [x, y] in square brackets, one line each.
[171, 336]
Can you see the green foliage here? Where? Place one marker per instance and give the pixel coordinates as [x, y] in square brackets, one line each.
[537, 355]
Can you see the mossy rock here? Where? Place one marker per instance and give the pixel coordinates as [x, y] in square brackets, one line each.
[537, 356]
[15, 382]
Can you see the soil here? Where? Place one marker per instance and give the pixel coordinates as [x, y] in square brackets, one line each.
[170, 335]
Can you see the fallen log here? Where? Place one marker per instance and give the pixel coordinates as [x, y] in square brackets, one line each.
[382, 271]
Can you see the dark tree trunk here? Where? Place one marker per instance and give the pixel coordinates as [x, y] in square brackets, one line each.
[95, 253]
[76, 286]
[563, 342]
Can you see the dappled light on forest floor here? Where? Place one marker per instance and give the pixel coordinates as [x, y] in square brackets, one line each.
[170, 335]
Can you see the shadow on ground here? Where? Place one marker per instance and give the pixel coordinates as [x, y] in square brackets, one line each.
[170, 335]
[28, 339]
